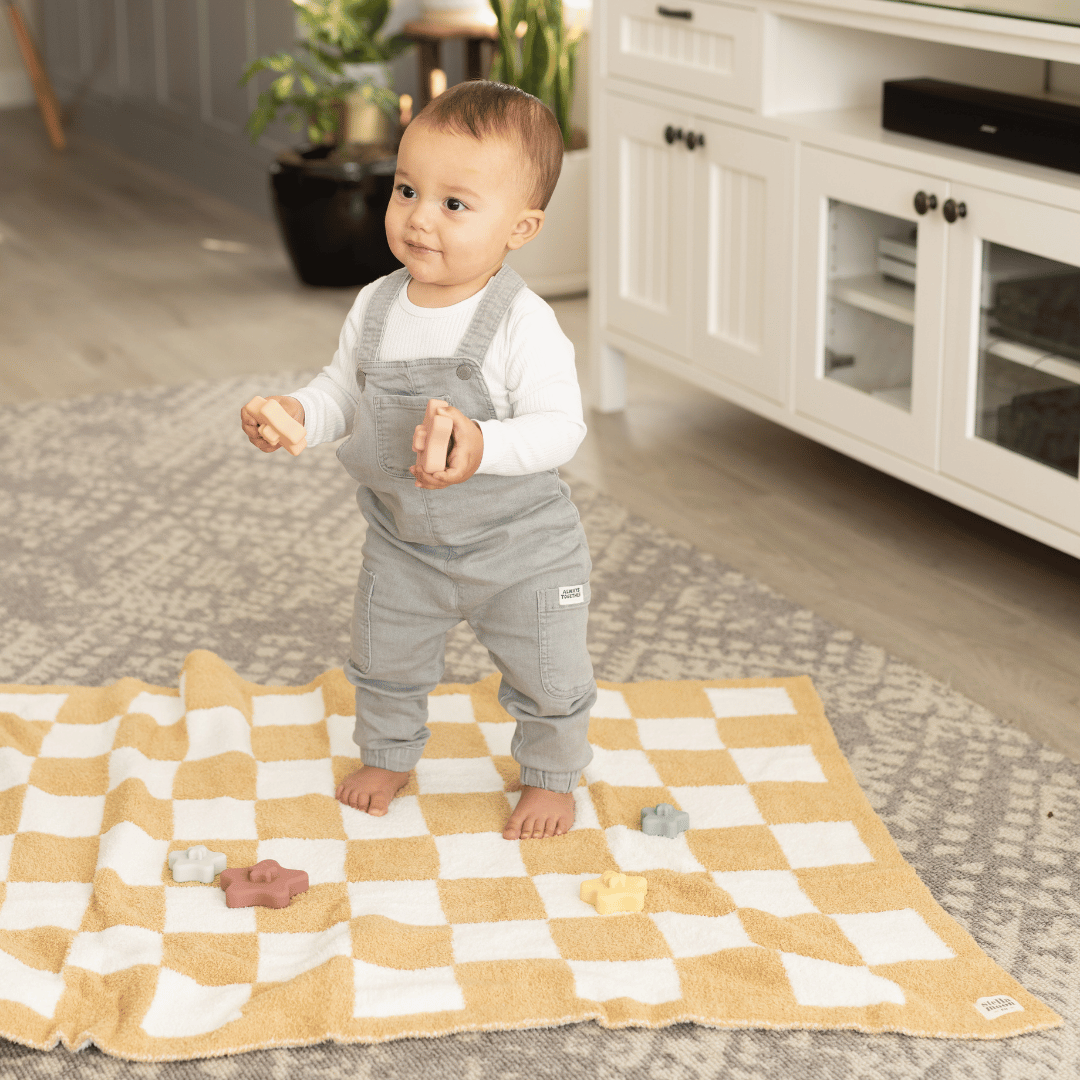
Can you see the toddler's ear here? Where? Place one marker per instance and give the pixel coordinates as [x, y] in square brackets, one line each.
[528, 225]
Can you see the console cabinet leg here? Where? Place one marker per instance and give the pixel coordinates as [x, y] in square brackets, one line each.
[610, 380]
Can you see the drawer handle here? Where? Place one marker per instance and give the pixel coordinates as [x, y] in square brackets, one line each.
[672, 134]
[953, 210]
[674, 13]
[693, 140]
[924, 202]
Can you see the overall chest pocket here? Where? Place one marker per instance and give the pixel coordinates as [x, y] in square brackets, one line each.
[396, 417]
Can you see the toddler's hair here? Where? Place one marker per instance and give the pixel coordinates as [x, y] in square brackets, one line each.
[483, 109]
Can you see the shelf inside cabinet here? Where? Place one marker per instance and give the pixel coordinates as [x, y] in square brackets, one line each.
[876, 294]
[1059, 366]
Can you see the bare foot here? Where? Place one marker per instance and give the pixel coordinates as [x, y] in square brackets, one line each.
[371, 789]
[540, 814]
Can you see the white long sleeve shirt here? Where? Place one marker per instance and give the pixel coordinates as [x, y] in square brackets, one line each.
[529, 371]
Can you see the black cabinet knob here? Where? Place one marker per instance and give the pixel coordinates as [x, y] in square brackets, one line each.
[953, 210]
[694, 139]
[924, 202]
[672, 134]
[674, 13]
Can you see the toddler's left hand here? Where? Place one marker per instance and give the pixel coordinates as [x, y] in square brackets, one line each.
[466, 453]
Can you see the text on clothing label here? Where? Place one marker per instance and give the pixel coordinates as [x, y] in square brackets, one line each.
[571, 594]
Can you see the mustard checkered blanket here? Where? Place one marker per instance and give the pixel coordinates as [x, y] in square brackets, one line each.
[786, 904]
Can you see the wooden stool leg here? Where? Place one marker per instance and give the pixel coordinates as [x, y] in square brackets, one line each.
[429, 60]
[472, 58]
[46, 99]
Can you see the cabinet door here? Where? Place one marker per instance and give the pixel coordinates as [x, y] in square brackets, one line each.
[1011, 415]
[647, 225]
[870, 309]
[741, 269]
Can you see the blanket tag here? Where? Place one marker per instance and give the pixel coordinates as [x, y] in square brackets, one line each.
[571, 594]
[998, 1005]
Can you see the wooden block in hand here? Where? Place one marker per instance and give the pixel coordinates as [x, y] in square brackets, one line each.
[432, 438]
[278, 426]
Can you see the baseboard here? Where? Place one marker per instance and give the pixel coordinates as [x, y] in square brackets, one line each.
[220, 162]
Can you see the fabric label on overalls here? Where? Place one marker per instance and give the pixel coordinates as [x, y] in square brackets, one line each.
[571, 594]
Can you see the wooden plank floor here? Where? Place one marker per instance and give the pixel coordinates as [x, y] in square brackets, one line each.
[106, 285]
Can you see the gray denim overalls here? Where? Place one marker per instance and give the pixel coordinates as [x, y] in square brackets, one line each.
[505, 553]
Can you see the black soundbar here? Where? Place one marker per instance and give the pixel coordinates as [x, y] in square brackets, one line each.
[1036, 129]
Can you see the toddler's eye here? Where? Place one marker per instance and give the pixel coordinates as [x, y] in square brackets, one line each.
[454, 204]
[406, 192]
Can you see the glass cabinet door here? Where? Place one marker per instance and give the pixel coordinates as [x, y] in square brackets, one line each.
[1012, 404]
[871, 294]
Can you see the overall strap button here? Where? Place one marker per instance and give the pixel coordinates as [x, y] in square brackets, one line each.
[464, 372]
[361, 379]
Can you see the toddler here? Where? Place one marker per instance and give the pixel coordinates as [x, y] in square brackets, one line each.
[492, 538]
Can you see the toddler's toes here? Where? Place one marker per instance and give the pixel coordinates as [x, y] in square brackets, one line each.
[377, 804]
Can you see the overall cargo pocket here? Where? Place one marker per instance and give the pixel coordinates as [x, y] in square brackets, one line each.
[565, 668]
[361, 626]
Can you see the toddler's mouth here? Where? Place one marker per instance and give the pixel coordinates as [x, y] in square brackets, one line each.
[420, 249]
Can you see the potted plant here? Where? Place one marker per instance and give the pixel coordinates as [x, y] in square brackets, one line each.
[330, 197]
[538, 52]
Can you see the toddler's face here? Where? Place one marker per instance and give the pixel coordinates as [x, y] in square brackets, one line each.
[459, 205]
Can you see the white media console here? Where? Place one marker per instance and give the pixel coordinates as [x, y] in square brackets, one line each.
[755, 232]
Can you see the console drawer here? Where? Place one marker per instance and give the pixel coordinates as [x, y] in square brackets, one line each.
[711, 50]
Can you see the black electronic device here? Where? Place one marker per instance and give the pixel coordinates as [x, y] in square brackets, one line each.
[1041, 130]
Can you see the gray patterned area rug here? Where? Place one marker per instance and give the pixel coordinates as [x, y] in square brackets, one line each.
[136, 527]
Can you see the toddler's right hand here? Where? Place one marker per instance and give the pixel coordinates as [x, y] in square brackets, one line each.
[250, 422]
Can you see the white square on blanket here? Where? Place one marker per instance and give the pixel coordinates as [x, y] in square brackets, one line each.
[750, 701]
[79, 740]
[634, 851]
[126, 763]
[135, 856]
[828, 985]
[284, 956]
[115, 948]
[445, 776]
[414, 902]
[30, 904]
[498, 738]
[514, 939]
[561, 894]
[220, 730]
[724, 806]
[32, 706]
[787, 764]
[821, 843]
[776, 891]
[290, 779]
[891, 937]
[181, 1007]
[164, 708]
[323, 860]
[36, 989]
[479, 855]
[650, 981]
[379, 991]
[14, 767]
[680, 733]
[201, 910]
[450, 709]
[340, 729]
[584, 811]
[622, 768]
[611, 704]
[223, 818]
[276, 710]
[64, 815]
[403, 818]
[700, 935]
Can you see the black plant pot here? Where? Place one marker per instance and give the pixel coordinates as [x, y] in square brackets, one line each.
[330, 204]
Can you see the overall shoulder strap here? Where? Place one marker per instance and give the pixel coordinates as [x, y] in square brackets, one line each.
[375, 316]
[502, 289]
